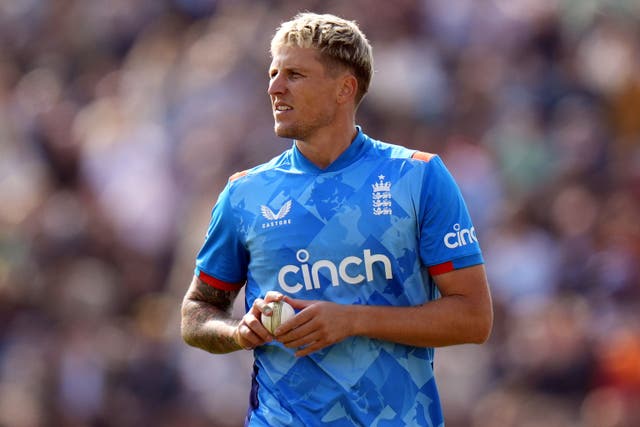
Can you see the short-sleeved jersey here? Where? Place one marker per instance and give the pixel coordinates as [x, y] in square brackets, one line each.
[372, 228]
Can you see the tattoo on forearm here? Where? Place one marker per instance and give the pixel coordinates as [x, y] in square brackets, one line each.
[206, 318]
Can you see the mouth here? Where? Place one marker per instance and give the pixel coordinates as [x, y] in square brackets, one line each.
[281, 107]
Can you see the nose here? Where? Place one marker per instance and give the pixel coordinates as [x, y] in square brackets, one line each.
[276, 85]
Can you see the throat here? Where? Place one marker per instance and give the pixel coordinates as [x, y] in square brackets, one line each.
[322, 152]
[322, 157]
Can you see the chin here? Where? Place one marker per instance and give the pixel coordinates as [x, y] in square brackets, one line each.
[285, 132]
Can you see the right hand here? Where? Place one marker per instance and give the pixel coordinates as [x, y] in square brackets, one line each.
[250, 332]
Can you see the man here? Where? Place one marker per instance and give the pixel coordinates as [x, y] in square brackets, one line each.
[371, 243]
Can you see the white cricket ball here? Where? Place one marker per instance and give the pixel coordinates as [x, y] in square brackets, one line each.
[281, 312]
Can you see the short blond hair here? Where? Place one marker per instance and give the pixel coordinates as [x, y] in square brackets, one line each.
[339, 42]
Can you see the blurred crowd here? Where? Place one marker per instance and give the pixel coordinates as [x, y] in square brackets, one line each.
[121, 120]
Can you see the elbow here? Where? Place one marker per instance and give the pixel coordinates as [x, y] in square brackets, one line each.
[483, 319]
[190, 341]
[184, 333]
[482, 335]
[189, 335]
[483, 327]
[187, 328]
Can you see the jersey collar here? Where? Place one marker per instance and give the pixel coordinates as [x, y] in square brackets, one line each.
[349, 156]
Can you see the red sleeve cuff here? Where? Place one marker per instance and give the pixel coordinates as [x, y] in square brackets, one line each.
[445, 267]
[217, 283]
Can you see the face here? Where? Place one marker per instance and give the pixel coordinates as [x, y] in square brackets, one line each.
[303, 95]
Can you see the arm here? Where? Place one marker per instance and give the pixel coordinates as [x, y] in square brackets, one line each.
[207, 322]
[463, 314]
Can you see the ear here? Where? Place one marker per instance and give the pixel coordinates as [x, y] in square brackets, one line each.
[347, 88]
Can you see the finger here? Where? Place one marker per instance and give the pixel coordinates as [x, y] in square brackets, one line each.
[246, 338]
[273, 296]
[305, 351]
[304, 341]
[258, 329]
[257, 338]
[293, 329]
[262, 307]
[262, 304]
[301, 318]
[251, 332]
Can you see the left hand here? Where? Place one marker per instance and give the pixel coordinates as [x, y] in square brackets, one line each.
[318, 324]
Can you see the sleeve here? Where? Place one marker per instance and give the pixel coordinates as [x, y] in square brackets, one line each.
[448, 238]
[223, 259]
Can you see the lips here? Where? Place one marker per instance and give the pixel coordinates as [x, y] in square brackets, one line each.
[281, 107]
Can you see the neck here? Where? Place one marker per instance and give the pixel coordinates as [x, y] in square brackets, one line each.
[323, 149]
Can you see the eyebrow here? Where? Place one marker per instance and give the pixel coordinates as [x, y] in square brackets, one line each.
[291, 69]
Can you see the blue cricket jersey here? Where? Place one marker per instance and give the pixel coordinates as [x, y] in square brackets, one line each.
[372, 228]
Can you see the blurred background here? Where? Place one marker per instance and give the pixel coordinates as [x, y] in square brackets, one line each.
[121, 120]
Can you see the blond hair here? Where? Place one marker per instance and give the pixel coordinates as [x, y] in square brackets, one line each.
[339, 42]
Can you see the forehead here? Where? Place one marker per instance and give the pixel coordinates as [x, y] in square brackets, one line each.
[295, 57]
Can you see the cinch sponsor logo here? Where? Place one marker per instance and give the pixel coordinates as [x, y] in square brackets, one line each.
[292, 278]
[460, 237]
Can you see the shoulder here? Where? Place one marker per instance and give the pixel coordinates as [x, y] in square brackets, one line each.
[423, 156]
[249, 182]
[395, 151]
[248, 175]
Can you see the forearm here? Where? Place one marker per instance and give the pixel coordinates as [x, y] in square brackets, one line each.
[447, 321]
[209, 328]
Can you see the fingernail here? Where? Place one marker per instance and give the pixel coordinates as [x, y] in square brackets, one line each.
[267, 310]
